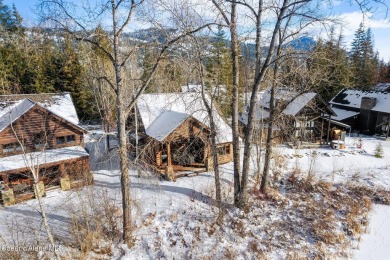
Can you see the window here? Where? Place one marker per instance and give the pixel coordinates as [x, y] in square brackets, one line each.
[8, 148]
[223, 149]
[70, 139]
[11, 148]
[60, 140]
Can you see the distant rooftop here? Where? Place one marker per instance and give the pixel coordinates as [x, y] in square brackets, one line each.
[352, 98]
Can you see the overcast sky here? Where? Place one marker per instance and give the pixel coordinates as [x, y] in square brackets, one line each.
[352, 15]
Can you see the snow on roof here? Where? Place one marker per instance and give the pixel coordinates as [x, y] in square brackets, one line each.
[280, 94]
[343, 114]
[13, 111]
[39, 158]
[151, 106]
[260, 114]
[353, 98]
[165, 124]
[298, 103]
[60, 104]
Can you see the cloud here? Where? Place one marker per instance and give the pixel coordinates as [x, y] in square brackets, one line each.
[351, 22]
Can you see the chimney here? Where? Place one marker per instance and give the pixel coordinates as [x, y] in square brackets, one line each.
[367, 103]
[367, 126]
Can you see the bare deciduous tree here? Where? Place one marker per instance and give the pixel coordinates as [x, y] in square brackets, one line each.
[121, 13]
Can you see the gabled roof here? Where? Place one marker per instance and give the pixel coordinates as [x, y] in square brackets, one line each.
[299, 103]
[295, 103]
[9, 114]
[165, 124]
[152, 106]
[13, 106]
[352, 98]
[60, 104]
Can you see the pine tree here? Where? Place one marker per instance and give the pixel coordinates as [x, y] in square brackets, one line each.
[10, 19]
[363, 59]
[219, 71]
[378, 152]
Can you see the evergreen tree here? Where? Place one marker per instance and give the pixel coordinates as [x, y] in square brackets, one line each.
[10, 19]
[219, 71]
[364, 62]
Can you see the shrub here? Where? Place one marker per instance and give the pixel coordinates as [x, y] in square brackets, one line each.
[378, 152]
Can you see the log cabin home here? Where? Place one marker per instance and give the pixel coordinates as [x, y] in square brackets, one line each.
[300, 117]
[40, 132]
[174, 133]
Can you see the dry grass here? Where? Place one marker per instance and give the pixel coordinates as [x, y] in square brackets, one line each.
[95, 223]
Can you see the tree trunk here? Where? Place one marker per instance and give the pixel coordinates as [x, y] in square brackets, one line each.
[44, 215]
[209, 108]
[236, 140]
[250, 124]
[268, 148]
[123, 157]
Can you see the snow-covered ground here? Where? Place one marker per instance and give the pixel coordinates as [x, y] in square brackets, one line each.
[375, 244]
[349, 164]
[168, 214]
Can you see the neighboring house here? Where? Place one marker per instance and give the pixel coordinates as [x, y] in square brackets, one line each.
[299, 116]
[175, 133]
[367, 112]
[40, 131]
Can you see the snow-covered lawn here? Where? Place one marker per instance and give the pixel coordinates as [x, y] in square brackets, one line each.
[375, 244]
[177, 219]
[350, 164]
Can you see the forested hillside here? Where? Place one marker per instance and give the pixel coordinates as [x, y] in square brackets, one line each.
[38, 60]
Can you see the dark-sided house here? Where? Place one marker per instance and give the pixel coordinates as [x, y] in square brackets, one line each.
[367, 112]
[40, 132]
[175, 133]
[300, 116]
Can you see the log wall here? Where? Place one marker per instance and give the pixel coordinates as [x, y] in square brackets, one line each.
[39, 123]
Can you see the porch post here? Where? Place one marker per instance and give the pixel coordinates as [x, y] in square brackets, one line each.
[322, 128]
[62, 170]
[169, 154]
[388, 131]
[327, 133]
[169, 169]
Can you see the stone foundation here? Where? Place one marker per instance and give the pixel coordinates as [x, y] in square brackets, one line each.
[8, 197]
[65, 183]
